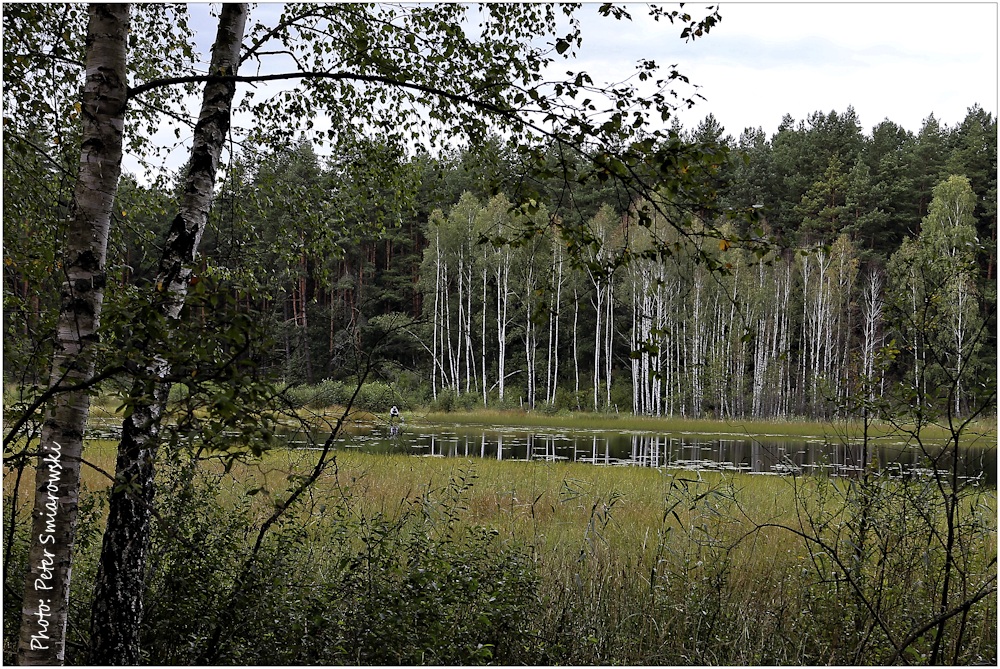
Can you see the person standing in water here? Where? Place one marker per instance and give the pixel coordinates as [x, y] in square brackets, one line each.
[394, 415]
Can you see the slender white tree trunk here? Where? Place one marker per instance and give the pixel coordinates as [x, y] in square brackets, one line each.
[470, 356]
[552, 366]
[503, 297]
[530, 335]
[785, 370]
[638, 388]
[598, 306]
[961, 305]
[117, 609]
[872, 320]
[697, 357]
[57, 476]
[454, 360]
[610, 340]
[483, 335]
[462, 325]
[437, 298]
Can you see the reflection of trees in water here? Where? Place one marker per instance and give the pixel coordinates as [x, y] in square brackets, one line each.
[651, 450]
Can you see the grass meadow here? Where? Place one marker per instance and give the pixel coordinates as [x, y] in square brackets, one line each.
[396, 559]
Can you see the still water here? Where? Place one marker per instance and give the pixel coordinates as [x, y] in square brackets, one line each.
[764, 455]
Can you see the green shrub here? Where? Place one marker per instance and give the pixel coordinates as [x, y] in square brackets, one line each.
[375, 396]
[573, 401]
[445, 401]
[468, 401]
[547, 408]
[324, 394]
[510, 402]
[334, 586]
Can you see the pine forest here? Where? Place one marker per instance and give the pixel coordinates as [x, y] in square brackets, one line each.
[483, 304]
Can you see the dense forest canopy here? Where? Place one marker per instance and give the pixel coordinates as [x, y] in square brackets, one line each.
[330, 248]
[431, 248]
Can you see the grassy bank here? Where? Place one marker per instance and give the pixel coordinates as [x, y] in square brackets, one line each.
[395, 559]
[983, 431]
[317, 405]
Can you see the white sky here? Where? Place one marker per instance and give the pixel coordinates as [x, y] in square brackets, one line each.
[895, 60]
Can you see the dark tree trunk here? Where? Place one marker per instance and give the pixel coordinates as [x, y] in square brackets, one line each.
[116, 616]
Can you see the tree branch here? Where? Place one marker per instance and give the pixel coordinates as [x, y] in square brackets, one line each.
[56, 389]
[988, 588]
[335, 76]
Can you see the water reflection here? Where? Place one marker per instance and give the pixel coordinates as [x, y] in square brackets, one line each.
[764, 456]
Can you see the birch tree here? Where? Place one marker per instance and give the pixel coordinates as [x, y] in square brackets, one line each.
[496, 225]
[432, 266]
[556, 282]
[950, 228]
[57, 485]
[599, 269]
[650, 288]
[118, 600]
[871, 328]
[934, 274]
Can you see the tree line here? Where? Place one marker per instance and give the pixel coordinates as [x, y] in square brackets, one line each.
[494, 304]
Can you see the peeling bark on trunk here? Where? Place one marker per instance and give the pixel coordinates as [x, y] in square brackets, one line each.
[118, 595]
[57, 479]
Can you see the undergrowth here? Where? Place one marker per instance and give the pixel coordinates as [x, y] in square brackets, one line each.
[441, 566]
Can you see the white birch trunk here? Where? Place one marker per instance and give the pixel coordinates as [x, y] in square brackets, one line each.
[437, 296]
[483, 335]
[598, 306]
[118, 595]
[610, 335]
[503, 297]
[42, 638]
[871, 339]
[576, 342]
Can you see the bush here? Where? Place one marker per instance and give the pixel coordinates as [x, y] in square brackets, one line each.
[547, 409]
[444, 402]
[570, 400]
[621, 396]
[468, 401]
[510, 402]
[324, 394]
[337, 586]
[374, 396]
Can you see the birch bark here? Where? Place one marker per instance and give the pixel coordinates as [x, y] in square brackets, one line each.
[57, 478]
[117, 609]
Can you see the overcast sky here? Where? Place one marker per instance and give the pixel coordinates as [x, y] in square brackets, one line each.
[895, 60]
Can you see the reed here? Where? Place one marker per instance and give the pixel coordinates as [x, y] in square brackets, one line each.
[631, 565]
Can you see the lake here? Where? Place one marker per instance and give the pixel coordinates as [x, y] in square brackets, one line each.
[763, 454]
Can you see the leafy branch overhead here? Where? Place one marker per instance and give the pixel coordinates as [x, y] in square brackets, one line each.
[422, 77]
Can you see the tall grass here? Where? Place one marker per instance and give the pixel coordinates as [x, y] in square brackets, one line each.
[399, 559]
